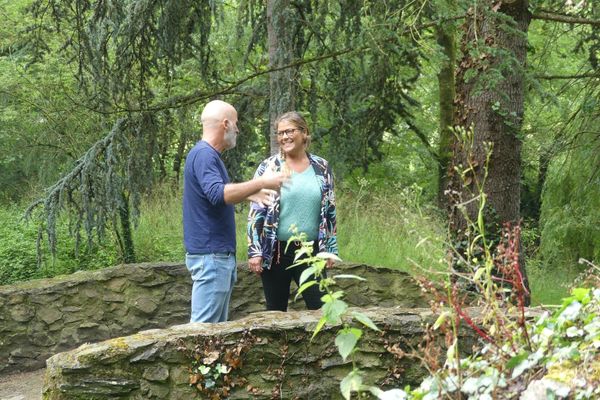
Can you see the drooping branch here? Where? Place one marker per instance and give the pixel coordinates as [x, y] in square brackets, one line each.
[200, 95]
[94, 189]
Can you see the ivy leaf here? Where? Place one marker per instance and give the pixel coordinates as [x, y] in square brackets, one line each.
[204, 370]
[223, 369]
[346, 341]
[209, 383]
[351, 383]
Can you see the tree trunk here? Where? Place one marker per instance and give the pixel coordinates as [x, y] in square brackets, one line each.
[490, 101]
[282, 23]
[446, 84]
[178, 158]
[127, 238]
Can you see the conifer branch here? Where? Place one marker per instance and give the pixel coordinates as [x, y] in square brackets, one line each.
[189, 99]
[567, 19]
[575, 76]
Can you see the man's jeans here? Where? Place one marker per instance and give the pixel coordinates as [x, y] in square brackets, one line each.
[214, 276]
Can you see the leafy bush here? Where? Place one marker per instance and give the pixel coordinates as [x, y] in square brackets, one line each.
[559, 358]
[18, 256]
[18, 251]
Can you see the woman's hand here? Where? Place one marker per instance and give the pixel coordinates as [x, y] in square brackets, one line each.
[264, 197]
[330, 262]
[255, 265]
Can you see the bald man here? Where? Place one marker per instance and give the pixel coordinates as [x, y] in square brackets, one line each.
[208, 214]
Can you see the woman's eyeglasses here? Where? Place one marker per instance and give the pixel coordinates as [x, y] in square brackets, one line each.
[289, 132]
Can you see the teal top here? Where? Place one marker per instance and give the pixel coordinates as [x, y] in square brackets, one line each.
[300, 205]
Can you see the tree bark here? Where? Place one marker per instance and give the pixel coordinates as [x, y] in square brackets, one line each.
[282, 23]
[446, 84]
[490, 101]
[127, 246]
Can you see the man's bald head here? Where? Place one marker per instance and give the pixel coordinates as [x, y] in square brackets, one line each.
[215, 112]
[219, 125]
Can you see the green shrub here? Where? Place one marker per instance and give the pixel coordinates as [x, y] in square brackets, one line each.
[18, 256]
[18, 251]
[558, 358]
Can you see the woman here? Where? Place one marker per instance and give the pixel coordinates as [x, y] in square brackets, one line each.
[307, 202]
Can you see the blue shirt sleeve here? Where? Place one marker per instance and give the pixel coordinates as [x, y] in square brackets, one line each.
[208, 172]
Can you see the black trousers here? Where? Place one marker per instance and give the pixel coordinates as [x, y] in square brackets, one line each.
[276, 281]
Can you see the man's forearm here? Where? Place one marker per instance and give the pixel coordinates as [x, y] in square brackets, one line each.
[237, 192]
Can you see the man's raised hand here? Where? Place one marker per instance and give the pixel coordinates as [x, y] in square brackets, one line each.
[275, 180]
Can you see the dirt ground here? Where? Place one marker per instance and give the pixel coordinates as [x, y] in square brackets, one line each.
[23, 386]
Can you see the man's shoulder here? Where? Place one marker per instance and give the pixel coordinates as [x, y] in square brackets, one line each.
[203, 149]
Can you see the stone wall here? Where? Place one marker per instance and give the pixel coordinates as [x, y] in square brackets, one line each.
[43, 317]
[266, 355]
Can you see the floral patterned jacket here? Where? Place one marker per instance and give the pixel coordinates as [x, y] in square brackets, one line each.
[263, 221]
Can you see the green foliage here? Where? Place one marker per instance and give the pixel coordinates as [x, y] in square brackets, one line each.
[18, 252]
[334, 310]
[395, 227]
[18, 261]
[557, 356]
[570, 212]
[214, 364]
[158, 235]
[560, 184]
[560, 359]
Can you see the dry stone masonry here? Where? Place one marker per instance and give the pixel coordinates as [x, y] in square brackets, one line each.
[43, 317]
[266, 355]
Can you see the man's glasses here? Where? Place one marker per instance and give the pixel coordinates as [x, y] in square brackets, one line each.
[289, 132]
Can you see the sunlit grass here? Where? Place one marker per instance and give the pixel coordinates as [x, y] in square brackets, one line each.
[159, 234]
[386, 230]
[390, 230]
[375, 230]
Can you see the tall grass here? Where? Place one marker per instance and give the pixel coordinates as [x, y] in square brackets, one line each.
[376, 229]
[389, 229]
[384, 228]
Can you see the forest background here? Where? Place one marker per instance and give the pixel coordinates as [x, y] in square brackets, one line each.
[100, 103]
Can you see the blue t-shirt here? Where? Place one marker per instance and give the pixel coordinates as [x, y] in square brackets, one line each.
[208, 223]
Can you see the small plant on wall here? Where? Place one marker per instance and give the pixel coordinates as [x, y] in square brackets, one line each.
[335, 310]
[214, 365]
